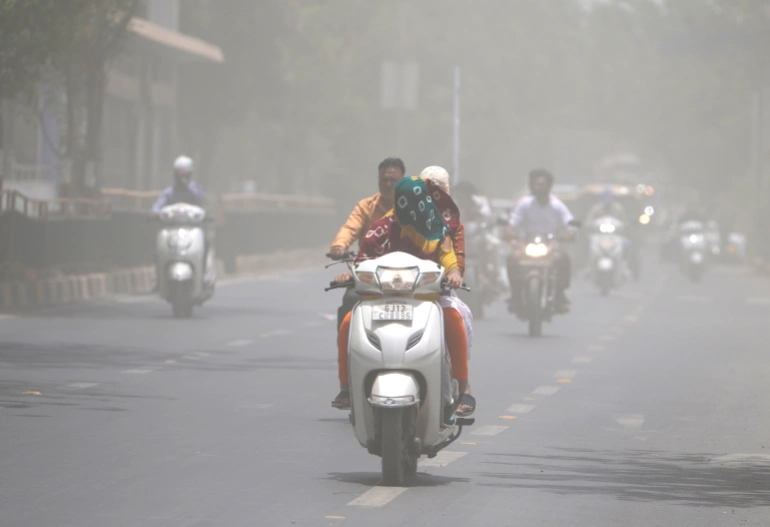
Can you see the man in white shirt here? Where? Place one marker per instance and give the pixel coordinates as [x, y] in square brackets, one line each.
[541, 213]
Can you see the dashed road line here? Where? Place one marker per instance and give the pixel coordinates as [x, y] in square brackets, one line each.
[546, 390]
[82, 385]
[276, 333]
[596, 347]
[630, 420]
[378, 496]
[581, 360]
[489, 430]
[138, 371]
[565, 374]
[631, 319]
[442, 459]
[696, 299]
[608, 338]
[240, 343]
[520, 408]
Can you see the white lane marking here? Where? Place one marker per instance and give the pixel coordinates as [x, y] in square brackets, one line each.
[192, 357]
[328, 316]
[82, 385]
[631, 318]
[565, 374]
[581, 360]
[240, 343]
[596, 347]
[201, 354]
[608, 338]
[742, 459]
[378, 496]
[276, 333]
[314, 324]
[696, 299]
[489, 430]
[630, 420]
[546, 390]
[758, 301]
[138, 371]
[442, 459]
[520, 408]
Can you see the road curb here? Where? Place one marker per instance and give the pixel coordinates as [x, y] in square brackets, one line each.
[67, 289]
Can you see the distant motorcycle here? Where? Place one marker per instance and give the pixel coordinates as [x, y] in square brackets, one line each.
[187, 273]
[480, 272]
[693, 249]
[609, 265]
[538, 291]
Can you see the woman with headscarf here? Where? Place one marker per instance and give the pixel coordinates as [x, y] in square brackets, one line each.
[415, 226]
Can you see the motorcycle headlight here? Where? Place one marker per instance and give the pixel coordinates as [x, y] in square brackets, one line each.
[395, 280]
[606, 228]
[179, 239]
[696, 238]
[536, 250]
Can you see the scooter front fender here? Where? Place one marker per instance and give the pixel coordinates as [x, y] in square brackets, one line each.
[180, 272]
[395, 389]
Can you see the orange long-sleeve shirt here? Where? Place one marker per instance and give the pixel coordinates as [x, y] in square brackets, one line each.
[366, 212]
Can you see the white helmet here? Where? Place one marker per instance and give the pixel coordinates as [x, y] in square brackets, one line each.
[183, 165]
[438, 175]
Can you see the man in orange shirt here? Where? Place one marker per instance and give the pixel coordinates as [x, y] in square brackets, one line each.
[366, 212]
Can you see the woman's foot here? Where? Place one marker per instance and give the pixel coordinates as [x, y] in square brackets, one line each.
[342, 401]
[466, 405]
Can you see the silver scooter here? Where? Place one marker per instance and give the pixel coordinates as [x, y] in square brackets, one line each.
[402, 395]
[186, 269]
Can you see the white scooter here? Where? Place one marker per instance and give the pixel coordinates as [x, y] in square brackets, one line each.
[402, 395]
[186, 271]
[693, 249]
[609, 266]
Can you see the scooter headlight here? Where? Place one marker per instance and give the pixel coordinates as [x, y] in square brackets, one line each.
[180, 239]
[395, 280]
[429, 278]
[367, 277]
[696, 238]
[536, 250]
[606, 228]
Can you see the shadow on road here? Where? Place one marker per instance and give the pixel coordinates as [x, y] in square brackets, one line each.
[372, 479]
[696, 480]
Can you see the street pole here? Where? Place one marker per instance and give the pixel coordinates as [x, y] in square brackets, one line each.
[456, 129]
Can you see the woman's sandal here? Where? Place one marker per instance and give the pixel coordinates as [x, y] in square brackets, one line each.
[342, 401]
[466, 399]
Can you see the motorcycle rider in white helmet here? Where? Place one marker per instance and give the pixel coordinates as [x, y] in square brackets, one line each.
[184, 190]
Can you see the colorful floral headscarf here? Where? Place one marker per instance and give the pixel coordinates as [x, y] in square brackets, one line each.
[417, 214]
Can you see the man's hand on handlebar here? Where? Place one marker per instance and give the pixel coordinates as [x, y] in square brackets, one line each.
[337, 252]
[343, 277]
[454, 279]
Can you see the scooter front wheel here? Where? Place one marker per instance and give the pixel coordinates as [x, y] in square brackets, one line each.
[397, 462]
[181, 301]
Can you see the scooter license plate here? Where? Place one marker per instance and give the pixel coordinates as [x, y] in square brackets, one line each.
[392, 312]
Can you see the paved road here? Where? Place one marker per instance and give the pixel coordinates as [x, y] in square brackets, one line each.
[646, 408]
